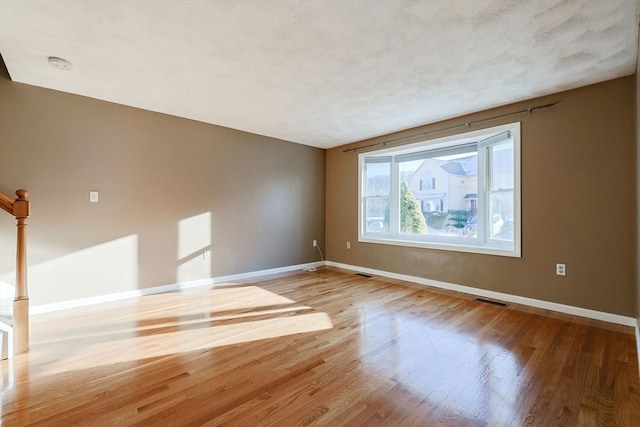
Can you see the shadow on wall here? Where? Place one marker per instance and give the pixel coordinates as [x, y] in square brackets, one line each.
[113, 266]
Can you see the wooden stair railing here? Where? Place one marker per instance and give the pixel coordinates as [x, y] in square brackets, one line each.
[19, 208]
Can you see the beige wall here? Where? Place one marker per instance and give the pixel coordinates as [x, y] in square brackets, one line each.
[578, 207]
[169, 189]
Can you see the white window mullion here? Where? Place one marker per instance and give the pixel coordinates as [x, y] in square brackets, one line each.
[362, 205]
[517, 189]
[394, 200]
[483, 186]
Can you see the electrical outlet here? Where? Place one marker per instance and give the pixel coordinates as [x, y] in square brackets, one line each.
[93, 196]
[206, 254]
[315, 243]
[561, 269]
[348, 245]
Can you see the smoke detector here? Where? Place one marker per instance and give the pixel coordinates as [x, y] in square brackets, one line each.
[60, 63]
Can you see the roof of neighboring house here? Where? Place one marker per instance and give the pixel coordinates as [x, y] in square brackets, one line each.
[470, 165]
[466, 166]
[454, 168]
[471, 196]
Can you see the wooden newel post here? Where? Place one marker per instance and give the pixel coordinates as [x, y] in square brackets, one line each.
[21, 301]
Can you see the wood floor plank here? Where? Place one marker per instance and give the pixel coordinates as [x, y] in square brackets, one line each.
[327, 348]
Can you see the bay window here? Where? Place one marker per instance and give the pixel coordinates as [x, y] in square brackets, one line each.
[460, 193]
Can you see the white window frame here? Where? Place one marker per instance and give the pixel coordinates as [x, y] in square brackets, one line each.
[482, 244]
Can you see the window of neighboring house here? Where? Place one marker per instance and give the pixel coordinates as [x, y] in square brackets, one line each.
[477, 204]
[427, 184]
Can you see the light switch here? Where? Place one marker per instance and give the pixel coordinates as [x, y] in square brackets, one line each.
[93, 196]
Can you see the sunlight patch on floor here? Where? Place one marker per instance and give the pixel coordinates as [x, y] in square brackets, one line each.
[182, 341]
[167, 324]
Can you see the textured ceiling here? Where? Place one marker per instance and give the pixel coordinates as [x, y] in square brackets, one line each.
[319, 72]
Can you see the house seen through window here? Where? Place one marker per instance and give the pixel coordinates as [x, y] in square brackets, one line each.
[454, 193]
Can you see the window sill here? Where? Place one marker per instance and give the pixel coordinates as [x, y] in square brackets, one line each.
[476, 249]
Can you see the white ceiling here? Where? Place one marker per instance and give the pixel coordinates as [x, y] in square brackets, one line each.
[319, 72]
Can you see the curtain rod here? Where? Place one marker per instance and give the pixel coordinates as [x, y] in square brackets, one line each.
[466, 124]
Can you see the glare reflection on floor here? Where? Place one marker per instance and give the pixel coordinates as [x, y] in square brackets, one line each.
[435, 365]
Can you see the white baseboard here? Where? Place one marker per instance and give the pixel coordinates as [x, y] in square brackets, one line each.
[562, 308]
[99, 299]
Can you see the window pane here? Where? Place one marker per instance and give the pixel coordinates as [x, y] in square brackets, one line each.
[377, 179]
[376, 214]
[501, 215]
[501, 165]
[442, 192]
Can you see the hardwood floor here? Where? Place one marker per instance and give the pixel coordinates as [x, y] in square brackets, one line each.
[324, 348]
